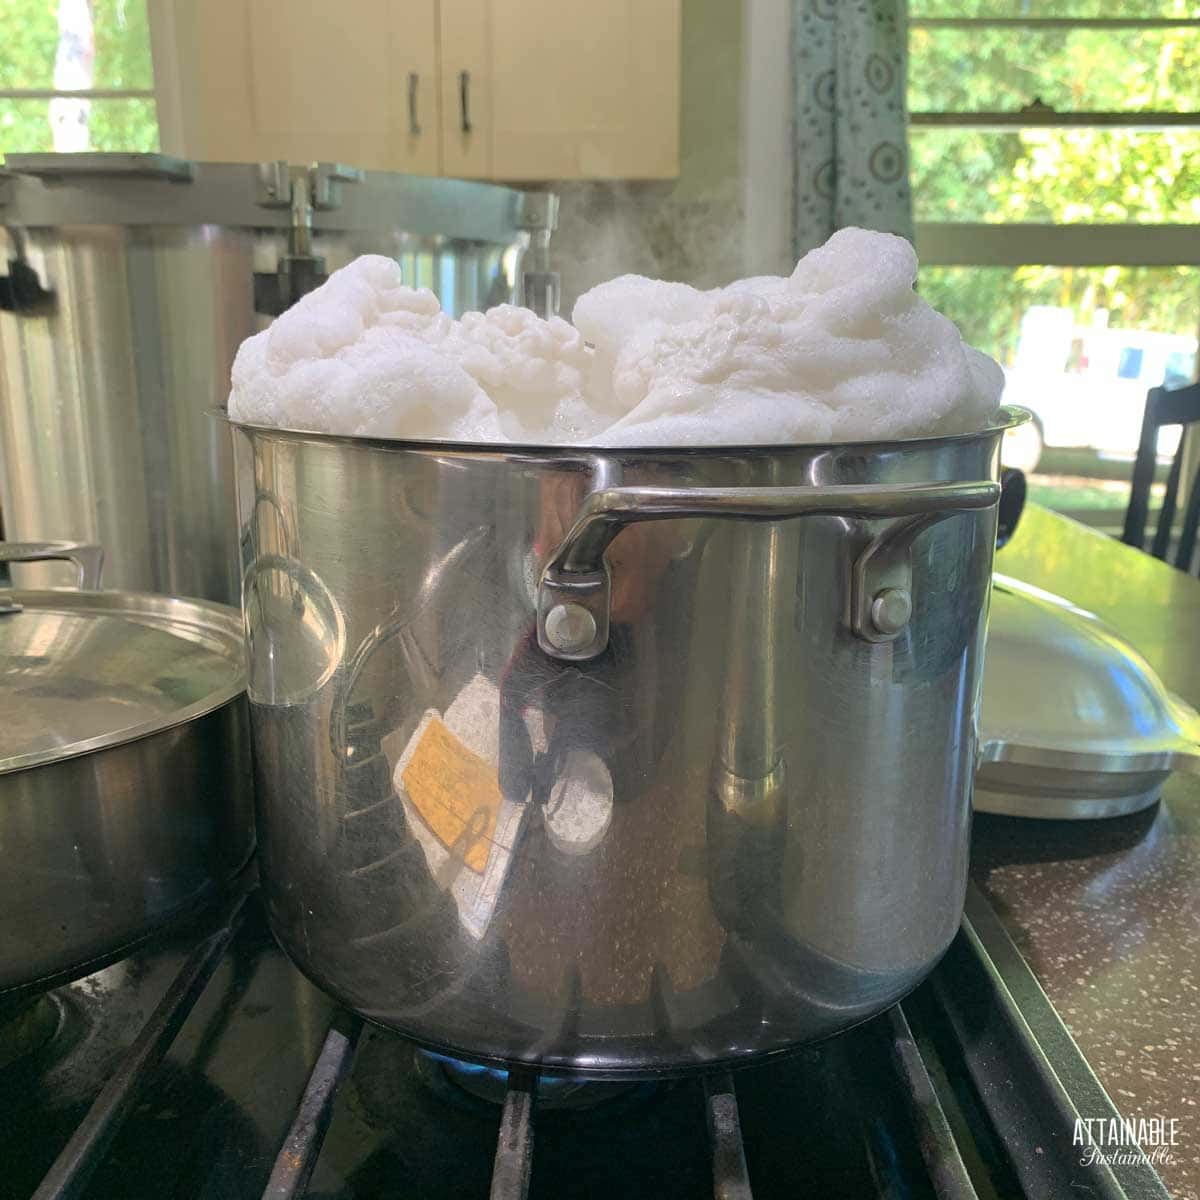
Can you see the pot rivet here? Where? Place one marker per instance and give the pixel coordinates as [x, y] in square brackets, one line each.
[891, 609]
[570, 628]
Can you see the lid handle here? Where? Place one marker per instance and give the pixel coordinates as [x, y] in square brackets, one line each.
[89, 559]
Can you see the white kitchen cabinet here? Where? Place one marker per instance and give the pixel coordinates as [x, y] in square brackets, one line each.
[354, 82]
[584, 90]
[466, 72]
[203, 79]
[486, 89]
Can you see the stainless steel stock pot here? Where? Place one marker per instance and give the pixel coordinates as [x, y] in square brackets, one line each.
[615, 761]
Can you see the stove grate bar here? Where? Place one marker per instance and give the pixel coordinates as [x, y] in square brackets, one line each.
[297, 1156]
[731, 1180]
[69, 1175]
[513, 1166]
[947, 1171]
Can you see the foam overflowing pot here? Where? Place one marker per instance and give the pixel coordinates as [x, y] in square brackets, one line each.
[843, 349]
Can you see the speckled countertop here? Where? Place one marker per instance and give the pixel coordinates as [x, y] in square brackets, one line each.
[1107, 913]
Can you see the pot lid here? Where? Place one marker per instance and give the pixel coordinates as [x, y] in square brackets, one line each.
[86, 670]
[1074, 722]
[90, 189]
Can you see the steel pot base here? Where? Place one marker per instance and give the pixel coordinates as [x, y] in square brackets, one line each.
[738, 1039]
[160, 923]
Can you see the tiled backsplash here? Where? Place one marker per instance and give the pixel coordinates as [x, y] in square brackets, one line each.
[608, 229]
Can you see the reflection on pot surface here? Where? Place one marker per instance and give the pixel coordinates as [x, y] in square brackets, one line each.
[627, 761]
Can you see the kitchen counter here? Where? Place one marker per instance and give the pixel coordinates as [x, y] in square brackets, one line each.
[1107, 913]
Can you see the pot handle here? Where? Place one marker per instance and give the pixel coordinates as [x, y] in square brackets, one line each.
[89, 559]
[1012, 505]
[573, 593]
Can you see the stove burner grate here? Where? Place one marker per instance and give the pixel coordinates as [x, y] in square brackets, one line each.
[976, 1057]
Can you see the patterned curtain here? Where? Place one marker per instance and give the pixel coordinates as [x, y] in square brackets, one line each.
[849, 59]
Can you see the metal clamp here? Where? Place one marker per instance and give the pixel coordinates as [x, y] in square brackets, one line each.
[273, 184]
[22, 291]
[277, 184]
[575, 587]
[536, 211]
[304, 190]
[539, 285]
[325, 180]
[89, 559]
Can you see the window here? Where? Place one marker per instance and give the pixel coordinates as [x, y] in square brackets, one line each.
[75, 75]
[1055, 154]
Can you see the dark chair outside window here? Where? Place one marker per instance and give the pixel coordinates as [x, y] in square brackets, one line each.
[1178, 406]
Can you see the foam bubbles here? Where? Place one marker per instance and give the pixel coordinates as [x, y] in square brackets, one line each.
[842, 350]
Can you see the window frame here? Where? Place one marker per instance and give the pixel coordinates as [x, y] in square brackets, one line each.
[77, 94]
[1019, 244]
[1035, 116]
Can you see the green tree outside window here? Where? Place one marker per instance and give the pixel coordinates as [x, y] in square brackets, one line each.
[30, 36]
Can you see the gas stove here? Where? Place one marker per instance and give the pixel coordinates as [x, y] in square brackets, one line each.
[206, 1067]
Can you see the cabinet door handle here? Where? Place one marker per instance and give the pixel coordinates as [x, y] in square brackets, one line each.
[414, 126]
[464, 99]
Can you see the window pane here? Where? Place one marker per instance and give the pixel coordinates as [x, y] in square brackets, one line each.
[129, 125]
[1087, 176]
[122, 45]
[30, 40]
[120, 37]
[990, 304]
[1053, 8]
[1000, 70]
[1080, 347]
[25, 127]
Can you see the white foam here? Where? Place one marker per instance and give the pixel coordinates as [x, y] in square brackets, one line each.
[842, 350]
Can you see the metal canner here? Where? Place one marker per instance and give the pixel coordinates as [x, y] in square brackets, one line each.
[127, 283]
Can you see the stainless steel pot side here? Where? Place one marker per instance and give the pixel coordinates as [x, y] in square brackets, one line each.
[124, 769]
[615, 761]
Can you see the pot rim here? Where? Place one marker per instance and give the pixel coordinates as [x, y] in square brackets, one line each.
[1007, 416]
[216, 620]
